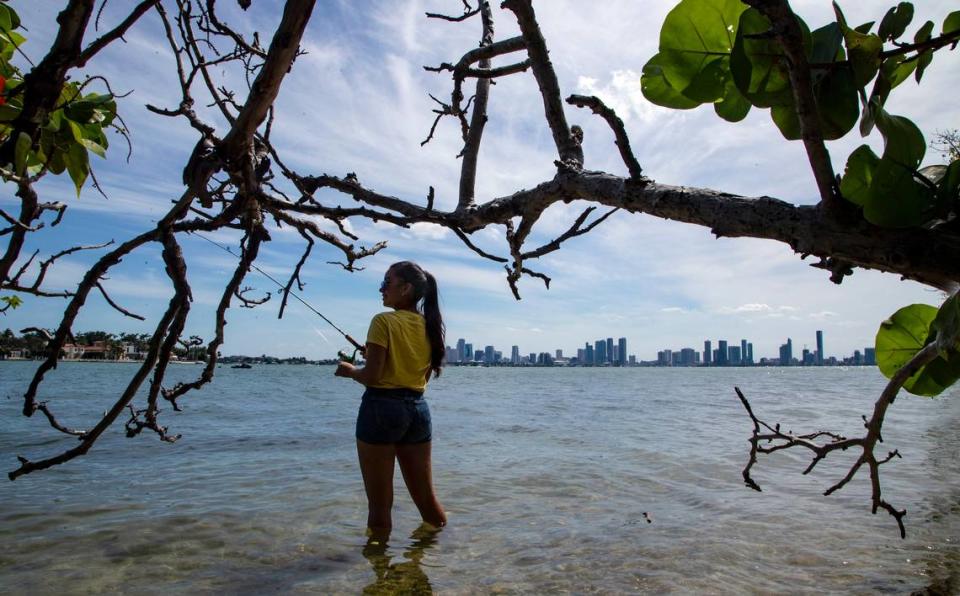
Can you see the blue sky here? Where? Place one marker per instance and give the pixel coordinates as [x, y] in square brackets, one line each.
[357, 102]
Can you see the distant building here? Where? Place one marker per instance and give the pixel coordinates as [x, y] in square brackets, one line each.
[707, 353]
[786, 353]
[610, 350]
[688, 357]
[665, 358]
[743, 351]
[622, 345]
[819, 348]
[461, 350]
[600, 351]
[735, 358]
[515, 355]
[468, 354]
[870, 356]
[723, 355]
[750, 353]
[478, 356]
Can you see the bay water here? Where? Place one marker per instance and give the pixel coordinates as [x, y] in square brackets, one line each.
[577, 480]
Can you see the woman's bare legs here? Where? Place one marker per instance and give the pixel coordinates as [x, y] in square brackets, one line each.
[415, 464]
[376, 466]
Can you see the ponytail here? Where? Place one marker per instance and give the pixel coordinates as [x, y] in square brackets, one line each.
[425, 289]
[436, 331]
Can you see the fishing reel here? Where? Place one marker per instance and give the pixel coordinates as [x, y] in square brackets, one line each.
[351, 358]
[357, 347]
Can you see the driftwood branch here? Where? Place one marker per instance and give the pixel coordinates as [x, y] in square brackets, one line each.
[774, 439]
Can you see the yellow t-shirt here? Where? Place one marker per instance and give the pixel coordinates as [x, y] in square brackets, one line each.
[404, 334]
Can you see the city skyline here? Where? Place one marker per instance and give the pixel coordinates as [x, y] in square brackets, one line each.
[604, 351]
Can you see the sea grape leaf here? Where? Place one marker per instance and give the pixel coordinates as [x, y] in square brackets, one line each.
[757, 64]
[903, 141]
[864, 52]
[658, 90]
[734, 107]
[896, 20]
[926, 57]
[896, 198]
[693, 36]
[948, 186]
[858, 174]
[947, 325]
[951, 23]
[900, 338]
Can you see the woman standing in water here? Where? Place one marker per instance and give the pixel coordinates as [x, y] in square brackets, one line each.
[403, 348]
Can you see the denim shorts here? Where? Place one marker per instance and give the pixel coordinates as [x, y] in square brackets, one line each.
[393, 416]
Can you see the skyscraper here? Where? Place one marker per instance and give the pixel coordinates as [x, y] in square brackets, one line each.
[515, 355]
[609, 352]
[488, 354]
[819, 348]
[723, 356]
[743, 351]
[622, 346]
[786, 353]
[735, 357]
[600, 351]
[461, 350]
[707, 353]
[591, 358]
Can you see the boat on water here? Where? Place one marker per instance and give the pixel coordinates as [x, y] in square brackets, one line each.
[241, 365]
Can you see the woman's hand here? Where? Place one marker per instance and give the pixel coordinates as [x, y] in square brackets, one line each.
[345, 369]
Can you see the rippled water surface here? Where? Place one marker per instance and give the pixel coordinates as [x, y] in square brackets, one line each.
[555, 480]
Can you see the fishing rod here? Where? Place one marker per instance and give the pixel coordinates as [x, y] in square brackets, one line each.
[356, 345]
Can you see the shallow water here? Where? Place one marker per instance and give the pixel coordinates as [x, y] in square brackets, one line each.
[555, 480]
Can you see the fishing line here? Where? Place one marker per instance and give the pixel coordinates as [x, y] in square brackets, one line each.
[355, 343]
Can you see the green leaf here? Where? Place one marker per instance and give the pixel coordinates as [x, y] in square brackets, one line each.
[785, 117]
[6, 22]
[896, 20]
[657, 89]
[837, 102]
[75, 129]
[951, 23]
[864, 52]
[80, 111]
[78, 165]
[20, 153]
[758, 65]
[734, 107]
[923, 34]
[864, 28]
[903, 141]
[897, 70]
[895, 197]
[858, 174]
[948, 187]
[826, 44]
[94, 147]
[694, 35]
[947, 326]
[900, 338]
[923, 61]
[12, 301]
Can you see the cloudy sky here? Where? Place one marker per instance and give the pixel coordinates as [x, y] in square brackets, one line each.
[358, 102]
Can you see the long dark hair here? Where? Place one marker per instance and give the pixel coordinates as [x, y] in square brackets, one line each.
[425, 289]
